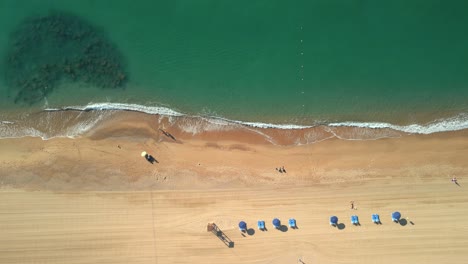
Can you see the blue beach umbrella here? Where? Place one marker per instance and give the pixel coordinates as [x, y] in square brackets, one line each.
[276, 223]
[333, 220]
[396, 216]
[242, 225]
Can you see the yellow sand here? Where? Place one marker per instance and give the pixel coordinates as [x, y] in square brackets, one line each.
[88, 201]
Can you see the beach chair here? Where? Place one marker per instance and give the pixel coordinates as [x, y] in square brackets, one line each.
[354, 220]
[375, 219]
[261, 225]
[333, 221]
[292, 223]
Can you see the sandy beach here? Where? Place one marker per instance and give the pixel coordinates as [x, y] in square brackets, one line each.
[94, 199]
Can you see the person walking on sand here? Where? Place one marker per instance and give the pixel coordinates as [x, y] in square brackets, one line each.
[352, 205]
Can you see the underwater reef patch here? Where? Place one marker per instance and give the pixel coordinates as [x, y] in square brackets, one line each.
[45, 50]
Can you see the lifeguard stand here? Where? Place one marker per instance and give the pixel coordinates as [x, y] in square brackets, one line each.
[212, 227]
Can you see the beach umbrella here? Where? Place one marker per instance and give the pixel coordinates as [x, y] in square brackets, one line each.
[333, 220]
[242, 225]
[143, 153]
[276, 223]
[396, 216]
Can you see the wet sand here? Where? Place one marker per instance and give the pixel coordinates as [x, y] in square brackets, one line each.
[96, 200]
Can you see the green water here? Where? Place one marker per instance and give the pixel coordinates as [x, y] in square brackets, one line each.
[276, 61]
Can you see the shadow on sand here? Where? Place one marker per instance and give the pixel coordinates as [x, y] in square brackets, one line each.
[222, 236]
[283, 228]
[151, 159]
[403, 222]
[251, 232]
[167, 134]
[341, 226]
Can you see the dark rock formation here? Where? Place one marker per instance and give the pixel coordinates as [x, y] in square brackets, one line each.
[60, 46]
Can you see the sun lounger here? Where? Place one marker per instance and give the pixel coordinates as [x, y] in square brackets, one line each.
[376, 219]
[261, 225]
[333, 221]
[292, 223]
[354, 220]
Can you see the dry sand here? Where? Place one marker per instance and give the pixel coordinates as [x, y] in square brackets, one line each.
[95, 200]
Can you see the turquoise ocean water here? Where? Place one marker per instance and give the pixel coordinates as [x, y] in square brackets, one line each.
[280, 62]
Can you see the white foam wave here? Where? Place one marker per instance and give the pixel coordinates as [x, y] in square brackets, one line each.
[48, 125]
[82, 127]
[455, 123]
[8, 132]
[121, 106]
[197, 124]
[165, 111]
[268, 125]
[458, 122]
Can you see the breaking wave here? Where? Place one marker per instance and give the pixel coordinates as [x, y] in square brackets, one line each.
[73, 121]
[455, 123]
[155, 110]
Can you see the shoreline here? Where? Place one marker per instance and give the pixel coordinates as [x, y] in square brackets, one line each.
[98, 189]
[73, 122]
[239, 151]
